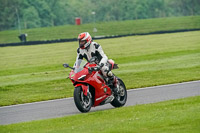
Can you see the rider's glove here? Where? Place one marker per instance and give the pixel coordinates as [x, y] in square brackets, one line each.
[97, 68]
[101, 65]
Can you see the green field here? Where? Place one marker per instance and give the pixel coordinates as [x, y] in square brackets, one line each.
[35, 73]
[106, 28]
[175, 116]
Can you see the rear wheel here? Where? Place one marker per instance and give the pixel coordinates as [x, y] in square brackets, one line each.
[83, 103]
[121, 97]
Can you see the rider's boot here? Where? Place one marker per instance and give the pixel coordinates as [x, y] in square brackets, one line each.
[114, 81]
[116, 85]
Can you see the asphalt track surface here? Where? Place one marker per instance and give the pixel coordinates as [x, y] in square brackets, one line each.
[65, 107]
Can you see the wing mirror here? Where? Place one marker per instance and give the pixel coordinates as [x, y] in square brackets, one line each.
[67, 65]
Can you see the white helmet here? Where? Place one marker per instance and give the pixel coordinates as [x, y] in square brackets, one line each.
[84, 40]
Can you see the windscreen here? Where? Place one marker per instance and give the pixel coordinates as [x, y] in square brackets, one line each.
[79, 65]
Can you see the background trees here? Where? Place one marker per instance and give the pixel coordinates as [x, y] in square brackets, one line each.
[44, 13]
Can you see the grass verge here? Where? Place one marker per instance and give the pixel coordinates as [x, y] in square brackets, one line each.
[35, 73]
[105, 28]
[177, 116]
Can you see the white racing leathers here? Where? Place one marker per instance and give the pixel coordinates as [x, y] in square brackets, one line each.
[94, 49]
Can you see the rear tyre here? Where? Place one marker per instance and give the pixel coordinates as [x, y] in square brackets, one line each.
[82, 102]
[121, 97]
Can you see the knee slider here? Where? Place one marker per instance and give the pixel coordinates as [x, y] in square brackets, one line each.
[110, 74]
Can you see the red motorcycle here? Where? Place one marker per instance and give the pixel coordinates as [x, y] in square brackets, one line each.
[92, 89]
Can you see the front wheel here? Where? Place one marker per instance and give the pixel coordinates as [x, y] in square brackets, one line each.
[121, 97]
[83, 103]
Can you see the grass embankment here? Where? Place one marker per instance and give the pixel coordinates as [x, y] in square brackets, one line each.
[35, 73]
[177, 116]
[105, 28]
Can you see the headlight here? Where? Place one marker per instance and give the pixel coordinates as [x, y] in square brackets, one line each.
[82, 77]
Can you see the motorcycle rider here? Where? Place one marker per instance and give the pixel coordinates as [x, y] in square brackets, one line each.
[88, 49]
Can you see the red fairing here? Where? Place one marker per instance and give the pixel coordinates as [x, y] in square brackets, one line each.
[94, 79]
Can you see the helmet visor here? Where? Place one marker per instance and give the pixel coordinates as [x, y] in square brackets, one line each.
[81, 44]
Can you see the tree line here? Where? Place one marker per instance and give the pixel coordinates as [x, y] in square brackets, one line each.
[44, 13]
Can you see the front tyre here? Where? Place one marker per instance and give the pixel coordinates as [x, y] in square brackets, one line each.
[83, 103]
[121, 97]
